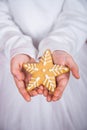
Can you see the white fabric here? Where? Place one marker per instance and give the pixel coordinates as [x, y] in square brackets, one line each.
[30, 27]
[13, 41]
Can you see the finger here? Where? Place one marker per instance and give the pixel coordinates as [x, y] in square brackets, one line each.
[56, 98]
[73, 67]
[41, 87]
[27, 78]
[49, 98]
[45, 92]
[40, 90]
[21, 87]
[62, 83]
[33, 93]
[18, 74]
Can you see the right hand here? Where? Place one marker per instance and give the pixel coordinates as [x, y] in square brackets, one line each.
[20, 76]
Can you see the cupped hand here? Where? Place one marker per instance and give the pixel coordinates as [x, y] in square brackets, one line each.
[20, 76]
[61, 58]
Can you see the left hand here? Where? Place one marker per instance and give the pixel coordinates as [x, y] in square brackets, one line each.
[61, 58]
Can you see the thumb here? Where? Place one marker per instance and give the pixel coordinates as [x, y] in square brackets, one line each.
[17, 73]
[73, 67]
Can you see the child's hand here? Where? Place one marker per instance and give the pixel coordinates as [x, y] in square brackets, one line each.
[62, 58]
[20, 77]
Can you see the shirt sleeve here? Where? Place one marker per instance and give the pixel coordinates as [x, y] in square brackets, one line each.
[12, 40]
[70, 29]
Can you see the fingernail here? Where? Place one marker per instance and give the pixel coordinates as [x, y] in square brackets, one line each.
[48, 99]
[40, 91]
[78, 76]
[28, 98]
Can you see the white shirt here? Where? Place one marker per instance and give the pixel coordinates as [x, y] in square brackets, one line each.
[32, 26]
[57, 25]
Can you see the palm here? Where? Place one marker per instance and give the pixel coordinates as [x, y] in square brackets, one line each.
[61, 85]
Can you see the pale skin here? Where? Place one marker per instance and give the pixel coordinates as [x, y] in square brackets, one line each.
[62, 58]
[21, 78]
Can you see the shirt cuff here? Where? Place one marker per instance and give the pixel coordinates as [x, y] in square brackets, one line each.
[53, 46]
[30, 52]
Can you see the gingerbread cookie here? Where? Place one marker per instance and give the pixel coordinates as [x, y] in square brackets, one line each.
[44, 72]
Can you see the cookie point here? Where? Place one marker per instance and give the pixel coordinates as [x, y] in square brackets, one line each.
[24, 65]
[48, 51]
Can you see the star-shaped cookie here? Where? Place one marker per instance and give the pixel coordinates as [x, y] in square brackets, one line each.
[44, 72]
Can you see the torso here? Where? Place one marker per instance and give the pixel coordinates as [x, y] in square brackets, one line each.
[35, 17]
